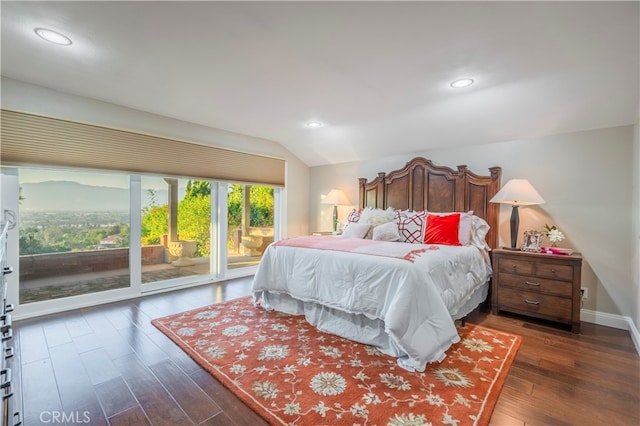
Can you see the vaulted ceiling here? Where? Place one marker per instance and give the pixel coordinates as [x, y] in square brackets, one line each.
[376, 74]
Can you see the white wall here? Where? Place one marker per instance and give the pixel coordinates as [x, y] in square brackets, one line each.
[25, 97]
[635, 315]
[585, 178]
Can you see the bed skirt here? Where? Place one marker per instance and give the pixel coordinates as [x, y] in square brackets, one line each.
[358, 327]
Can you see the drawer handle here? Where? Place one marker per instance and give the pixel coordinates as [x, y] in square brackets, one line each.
[531, 302]
[553, 271]
[7, 381]
[532, 283]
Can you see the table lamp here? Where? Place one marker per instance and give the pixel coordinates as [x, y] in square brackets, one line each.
[337, 198]
[517, 192]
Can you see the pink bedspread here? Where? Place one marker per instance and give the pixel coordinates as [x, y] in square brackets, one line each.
[404, 251]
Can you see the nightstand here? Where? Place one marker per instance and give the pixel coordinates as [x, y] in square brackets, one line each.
[539, 285]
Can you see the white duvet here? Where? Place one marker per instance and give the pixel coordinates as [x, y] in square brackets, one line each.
[406, 309]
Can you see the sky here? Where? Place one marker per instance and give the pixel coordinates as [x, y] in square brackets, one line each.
[113, 180]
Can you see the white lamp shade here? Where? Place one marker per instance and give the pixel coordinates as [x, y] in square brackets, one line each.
[518, 192]
[337, 198]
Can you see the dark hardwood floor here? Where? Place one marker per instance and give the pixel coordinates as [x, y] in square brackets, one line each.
[109, 365]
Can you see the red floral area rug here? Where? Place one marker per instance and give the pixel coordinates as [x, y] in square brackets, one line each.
[292, 374]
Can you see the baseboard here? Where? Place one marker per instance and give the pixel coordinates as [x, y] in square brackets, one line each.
[613, 320]
[635, 335]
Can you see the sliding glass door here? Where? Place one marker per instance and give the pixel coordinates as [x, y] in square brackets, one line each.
[88, 238]
[250, 224]
[74, 233]
[175, 230]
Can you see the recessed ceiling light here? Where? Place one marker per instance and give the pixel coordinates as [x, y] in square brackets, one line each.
[314, 124]
[464, 82]
[52, 36]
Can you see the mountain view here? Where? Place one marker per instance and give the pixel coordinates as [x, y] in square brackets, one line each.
[74, 196]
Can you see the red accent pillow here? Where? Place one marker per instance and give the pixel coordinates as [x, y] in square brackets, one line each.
[442, 229]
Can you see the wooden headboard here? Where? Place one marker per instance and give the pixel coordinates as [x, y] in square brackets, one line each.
[421, 185]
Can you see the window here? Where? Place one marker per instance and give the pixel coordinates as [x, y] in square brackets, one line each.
[74, 233]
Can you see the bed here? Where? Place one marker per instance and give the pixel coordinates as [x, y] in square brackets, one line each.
[401, 297]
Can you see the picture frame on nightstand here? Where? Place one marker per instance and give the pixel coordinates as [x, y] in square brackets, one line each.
[532, 241]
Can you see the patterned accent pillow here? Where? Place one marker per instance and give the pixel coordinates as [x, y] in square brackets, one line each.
[354, 216]
[411, 225]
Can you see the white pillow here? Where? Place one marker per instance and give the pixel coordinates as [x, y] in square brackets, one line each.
[386, 232]
[356, 230]
[480, 229]
[375, 217]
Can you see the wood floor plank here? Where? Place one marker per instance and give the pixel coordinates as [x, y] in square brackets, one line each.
[111, 339]
[115, 396]
[158, 405]
[140, 319]
[74, 385]
[99, 366]
[177, 355]
[144, 347]
[56, 333]
[221, 419]
[115, 316]
[88, 342]
[39, 391]
[77, 325]
[193, 400]
[132, 417]
[33, 343]
[229, 403]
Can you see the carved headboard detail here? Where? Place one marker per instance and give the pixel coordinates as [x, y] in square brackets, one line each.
[421, 185]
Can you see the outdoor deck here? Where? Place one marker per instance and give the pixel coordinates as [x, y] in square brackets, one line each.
[73, 284]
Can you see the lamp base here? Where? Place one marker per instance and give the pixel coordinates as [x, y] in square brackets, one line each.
[514, 222]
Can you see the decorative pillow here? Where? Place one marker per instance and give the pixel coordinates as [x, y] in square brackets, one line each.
[442, 229]
[465, 228]
[375, 217]
[410, 225]
[386, 232]
[354, 216]
[356, 230]
[480, 229]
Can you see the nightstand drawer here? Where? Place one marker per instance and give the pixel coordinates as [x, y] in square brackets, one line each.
[516, 266]
[537, 284]
[554, 271]
[552, 307]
